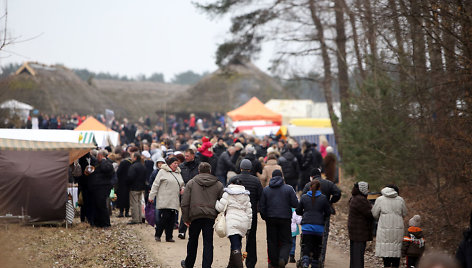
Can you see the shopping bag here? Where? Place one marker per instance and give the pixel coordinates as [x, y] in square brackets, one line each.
[150, 211]
[220, 223]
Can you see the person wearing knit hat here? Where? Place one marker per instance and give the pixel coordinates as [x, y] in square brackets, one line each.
[413, 243]
[415, 221]
[359, 224]
[256, 169]
[363, 187]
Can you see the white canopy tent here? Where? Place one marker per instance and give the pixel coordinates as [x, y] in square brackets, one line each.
[51, 135]
[19, 108]
[294, 109]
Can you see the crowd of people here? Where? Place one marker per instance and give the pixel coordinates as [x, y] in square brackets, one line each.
[211, 175]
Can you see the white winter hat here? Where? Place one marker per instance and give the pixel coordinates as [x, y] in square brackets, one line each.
[363, 187]
[146, 154]
[415, 221]
[329, 149]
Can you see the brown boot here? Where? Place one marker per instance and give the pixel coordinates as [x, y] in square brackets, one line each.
[235, 259]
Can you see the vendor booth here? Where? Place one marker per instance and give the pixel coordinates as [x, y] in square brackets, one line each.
[35, 177]
[102, 135]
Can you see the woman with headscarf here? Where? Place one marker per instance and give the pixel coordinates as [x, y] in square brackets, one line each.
[167, 188]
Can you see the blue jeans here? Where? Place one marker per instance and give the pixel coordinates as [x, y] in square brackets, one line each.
[294, 245]
[235, 241]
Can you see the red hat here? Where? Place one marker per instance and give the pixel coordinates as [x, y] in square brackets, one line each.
[205, 139]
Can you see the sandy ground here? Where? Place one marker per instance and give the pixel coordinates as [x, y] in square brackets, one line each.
[170, 254]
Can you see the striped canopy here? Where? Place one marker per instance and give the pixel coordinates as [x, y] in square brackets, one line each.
[76, 150]
[87, 137]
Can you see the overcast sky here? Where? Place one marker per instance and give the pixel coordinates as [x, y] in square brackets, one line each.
[128, 37]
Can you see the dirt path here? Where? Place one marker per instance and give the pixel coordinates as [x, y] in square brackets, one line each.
[170, 254]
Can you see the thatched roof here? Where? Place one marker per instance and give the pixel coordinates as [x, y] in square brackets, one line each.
[138, 98]
[58, 90]
[226, 89]
[50, 89]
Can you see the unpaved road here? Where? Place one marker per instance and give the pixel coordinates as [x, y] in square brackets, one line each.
[170, 254]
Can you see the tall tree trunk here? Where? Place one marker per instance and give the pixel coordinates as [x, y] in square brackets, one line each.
[328, 77]
[343, 76]
[402, 60]
[355, 38]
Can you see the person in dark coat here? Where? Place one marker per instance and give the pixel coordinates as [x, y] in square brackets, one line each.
[122, 189]
[99, 183]
[137, 184]
[315, 209]
[251, 156]
[329, 164]
[306, 164]
[290, 167]
[276, 205]
[464, 252]
[359, 224]
[199, 212]
[149, 165]
[333, 194]
[225, 165]
[253, 185]
[188, 170]
[317, 157]
[220, 147]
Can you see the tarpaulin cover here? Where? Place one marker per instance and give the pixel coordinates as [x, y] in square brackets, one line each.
[75, 150]
[34, 183]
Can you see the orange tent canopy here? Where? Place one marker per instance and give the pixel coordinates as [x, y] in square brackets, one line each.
[254, 109]
[91, 124]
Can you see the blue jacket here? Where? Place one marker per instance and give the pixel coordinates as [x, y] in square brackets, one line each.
[313, 212]
[277, 200]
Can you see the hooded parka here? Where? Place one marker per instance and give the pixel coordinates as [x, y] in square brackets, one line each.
[200, 195]
[389, 209]
[238, 211]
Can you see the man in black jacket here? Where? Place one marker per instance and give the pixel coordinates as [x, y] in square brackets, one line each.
[137, 185]
[333, 194]
[188, 170]
[256, 166]
[99, 183]
[276, 205]
[254, 186]
[225, 165]
[290, 167]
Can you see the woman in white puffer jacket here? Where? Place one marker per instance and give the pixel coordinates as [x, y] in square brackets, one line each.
[238, 218]
[389, 209]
